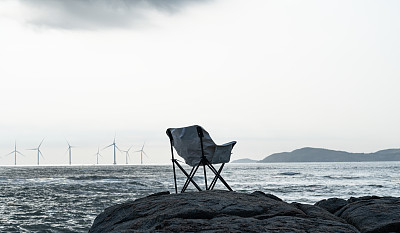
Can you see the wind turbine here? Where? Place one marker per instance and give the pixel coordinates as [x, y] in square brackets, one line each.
[141, 154]
[38, 151]
[97, 155]
[69, 150]
[126, 154]
[15, 153]
[115, 146]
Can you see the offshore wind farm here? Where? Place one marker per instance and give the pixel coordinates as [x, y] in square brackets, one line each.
[16, 157]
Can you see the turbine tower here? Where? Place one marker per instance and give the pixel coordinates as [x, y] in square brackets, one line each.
[15, 153]
[126, 154]
[97, 155]
[38, 151]
[69, 150]
[141, 154]
[115, 146]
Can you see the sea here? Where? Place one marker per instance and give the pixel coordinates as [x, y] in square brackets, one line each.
[68, 198]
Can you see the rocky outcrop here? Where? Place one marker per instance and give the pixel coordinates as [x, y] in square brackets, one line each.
[369, 214]
[217, 211]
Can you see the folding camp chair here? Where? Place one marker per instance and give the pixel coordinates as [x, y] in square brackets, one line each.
[196, 147]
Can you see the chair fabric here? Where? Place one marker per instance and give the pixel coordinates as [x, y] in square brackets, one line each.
[187, 145]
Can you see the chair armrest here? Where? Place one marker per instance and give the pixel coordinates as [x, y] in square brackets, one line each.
[223, 153]
[229, 143]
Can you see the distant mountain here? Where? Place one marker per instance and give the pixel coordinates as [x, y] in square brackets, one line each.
[245, 161]
[309, 154]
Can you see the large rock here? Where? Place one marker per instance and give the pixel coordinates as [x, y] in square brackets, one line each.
[217, 211]
[372, 214]
[332, 204]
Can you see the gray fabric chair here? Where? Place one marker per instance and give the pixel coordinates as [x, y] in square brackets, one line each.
[196, 147]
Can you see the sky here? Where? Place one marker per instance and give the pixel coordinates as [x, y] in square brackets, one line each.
[272, 75]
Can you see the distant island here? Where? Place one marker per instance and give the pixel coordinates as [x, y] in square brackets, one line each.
[245, 161]
[309, 154]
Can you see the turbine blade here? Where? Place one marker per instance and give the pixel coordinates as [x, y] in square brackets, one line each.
[20, 153]
[41, 143]
[108, 146]
[145, 154]
[41, 154]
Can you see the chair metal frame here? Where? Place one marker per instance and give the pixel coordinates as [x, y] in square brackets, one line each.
[203, 162]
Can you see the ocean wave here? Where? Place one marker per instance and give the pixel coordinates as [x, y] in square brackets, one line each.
[342, 177]
[95, 178]
[289, 173]
[136, 183]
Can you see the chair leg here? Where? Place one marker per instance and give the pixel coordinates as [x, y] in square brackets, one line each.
[205, 176]
[173, 168]
[214, 181]
[219, 176]
[189, 177]
[187, 180]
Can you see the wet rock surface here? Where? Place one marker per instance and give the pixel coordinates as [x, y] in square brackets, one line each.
[372, 214]
[332, 204]
[223, 211]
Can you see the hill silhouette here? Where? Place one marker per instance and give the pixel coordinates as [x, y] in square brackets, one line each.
[309, 154]
[245, 161]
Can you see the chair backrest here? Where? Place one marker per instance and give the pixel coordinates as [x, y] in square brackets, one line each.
[187, 144]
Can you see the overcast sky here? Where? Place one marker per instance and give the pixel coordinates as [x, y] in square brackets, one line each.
[273, 75]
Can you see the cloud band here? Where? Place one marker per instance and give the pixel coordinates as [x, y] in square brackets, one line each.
[97, 14]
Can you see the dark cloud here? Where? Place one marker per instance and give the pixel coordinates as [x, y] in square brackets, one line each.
[97, 14]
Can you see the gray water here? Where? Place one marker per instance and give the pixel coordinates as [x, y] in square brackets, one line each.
[68, 198]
